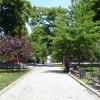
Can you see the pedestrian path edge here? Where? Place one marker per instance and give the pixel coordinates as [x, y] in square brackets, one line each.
[13, 83]
[88, 87]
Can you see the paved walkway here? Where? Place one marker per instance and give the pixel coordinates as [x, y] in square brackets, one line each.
[48, 83]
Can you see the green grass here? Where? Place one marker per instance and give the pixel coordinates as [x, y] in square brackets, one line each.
[7, 77]
[92, 69]
[88, 71]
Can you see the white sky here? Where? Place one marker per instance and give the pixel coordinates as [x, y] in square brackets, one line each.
[51, 3]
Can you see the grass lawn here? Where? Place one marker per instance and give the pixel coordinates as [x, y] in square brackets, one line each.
[7, 77]
[89, 70]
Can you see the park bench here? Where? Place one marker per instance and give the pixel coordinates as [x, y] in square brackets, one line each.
[79, 71]
[94, 77]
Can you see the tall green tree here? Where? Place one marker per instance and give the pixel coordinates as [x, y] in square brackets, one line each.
[13, 16]
[85, 32]
[66, 32]
[96, 9]
[77, 34]
[62, 41]
[38, 40]
[42, 25]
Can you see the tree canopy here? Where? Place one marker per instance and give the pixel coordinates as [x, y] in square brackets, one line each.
[72, 32]
[56, 31]
[42, 23]
[13, 16]
[15, 47]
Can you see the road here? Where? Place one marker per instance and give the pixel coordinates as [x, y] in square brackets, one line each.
[48, 83]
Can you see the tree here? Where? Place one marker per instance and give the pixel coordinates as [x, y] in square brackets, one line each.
[66, 32]
[13, 16]
[42, 26]
[15, 47]
[62, 41]
[84, 30]
[38, 40]
[96, 9]
[77, 34]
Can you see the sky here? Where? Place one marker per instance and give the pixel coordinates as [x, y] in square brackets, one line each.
[49, 3]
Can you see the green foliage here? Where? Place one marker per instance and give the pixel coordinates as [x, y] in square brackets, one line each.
[7, 78]
[77, 34]
[42, 28]
[84, 30]
[58, 31]
[96, 9]
[67, 32]
[13, 15]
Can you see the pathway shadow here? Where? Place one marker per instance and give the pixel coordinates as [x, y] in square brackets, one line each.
[42, 65]
[55, 71]
[94, 87]
[47, 65]
[29, 64]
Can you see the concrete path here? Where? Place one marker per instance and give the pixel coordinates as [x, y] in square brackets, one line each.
[48, 83]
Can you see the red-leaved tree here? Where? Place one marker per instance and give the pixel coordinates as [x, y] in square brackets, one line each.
[15, 47]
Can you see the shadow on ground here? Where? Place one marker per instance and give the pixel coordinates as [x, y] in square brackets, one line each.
[94, 87]
[56, 71]
[29, 64]
[45, 65]
[48, 65]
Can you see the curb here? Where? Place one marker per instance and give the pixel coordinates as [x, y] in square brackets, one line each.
[16, 81]
[85, 85]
